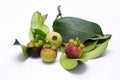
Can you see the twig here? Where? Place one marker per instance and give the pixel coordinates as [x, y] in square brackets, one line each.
[59, 12]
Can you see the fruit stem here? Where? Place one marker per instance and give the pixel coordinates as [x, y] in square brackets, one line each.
[59, 12]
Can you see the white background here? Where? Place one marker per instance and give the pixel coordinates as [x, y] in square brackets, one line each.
[15, 17]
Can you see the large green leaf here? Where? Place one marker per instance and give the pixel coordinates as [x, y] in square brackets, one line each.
[71, 27]
[37, 22]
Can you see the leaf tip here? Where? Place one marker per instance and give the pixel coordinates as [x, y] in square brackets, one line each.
[16, 42]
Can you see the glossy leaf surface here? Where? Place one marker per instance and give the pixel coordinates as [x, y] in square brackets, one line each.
[71, 27]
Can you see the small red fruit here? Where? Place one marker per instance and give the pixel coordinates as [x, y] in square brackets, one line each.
[72, 50]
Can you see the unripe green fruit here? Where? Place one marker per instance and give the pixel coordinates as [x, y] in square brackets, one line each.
[48, 54]
[54, 38]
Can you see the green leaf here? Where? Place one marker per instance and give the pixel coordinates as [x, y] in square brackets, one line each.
[45, 17]
[68, 63]
[89, 45]
[24, 48]
[98, 51]
[16, 42]
[45, 29]
[39, 35]
[31, 36]
[71, 27]
[37, 22]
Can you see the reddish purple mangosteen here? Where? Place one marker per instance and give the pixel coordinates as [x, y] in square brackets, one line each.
[73, 49]
[34, 48]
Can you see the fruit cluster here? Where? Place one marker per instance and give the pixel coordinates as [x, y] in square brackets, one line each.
[47, 49]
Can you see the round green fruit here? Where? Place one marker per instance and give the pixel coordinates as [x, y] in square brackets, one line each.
[54, 38]
[48, 55]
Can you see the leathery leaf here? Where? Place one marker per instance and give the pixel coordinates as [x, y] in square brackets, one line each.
[68, 63]
[71, 27]
[98, 51]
